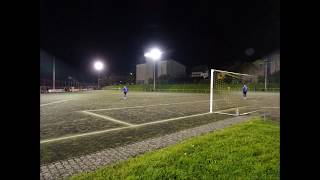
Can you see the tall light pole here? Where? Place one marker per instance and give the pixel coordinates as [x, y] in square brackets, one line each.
[155, 55]
[265, 74]
[131, 77]
[54, 74]
[98, 65]
[266, 61]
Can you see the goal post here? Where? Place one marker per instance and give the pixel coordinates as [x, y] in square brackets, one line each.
[211, 90]
[226, 91]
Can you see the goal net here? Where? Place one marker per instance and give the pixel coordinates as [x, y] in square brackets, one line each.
[226, 95]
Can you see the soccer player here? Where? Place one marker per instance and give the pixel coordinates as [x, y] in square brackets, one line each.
[244, 91]
[125, 91]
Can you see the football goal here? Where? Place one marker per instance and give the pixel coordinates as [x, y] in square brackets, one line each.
[226, 92]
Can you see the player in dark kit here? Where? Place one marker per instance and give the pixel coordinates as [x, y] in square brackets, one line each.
[125, 91]
[244, 91]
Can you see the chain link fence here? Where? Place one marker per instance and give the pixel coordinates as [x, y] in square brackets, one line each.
[46, 86]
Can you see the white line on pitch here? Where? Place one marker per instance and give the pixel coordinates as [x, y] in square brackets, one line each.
[82, 135]
[218, 112]
[131, 107]
[55, 102]
[232, 108]
[107, 118]
[250, 112]
[120, 128]
[173, 119]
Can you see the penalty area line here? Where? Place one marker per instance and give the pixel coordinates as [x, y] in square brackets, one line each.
[120, 128]
[82, 135]
[107, 118]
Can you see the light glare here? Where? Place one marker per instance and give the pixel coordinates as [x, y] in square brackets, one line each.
[98, 65]
[154, 54]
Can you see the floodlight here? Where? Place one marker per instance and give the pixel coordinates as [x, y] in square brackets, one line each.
[98, 65]
[154, 54]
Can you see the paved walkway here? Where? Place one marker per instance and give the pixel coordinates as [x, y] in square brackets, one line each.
[91, 162]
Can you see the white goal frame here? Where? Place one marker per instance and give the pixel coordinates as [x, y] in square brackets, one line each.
[211, 85]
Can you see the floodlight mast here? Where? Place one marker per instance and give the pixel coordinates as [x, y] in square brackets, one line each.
[98, 65]
[54, 74]
[155, 55]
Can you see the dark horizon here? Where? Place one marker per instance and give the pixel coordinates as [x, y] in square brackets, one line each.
[199, 33]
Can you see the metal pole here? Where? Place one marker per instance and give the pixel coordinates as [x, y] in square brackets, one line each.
[98, 80]
[154, 75]
[54, 75]
[266, 75]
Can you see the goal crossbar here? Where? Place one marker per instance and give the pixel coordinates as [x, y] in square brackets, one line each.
[212, 82]
[232, 73]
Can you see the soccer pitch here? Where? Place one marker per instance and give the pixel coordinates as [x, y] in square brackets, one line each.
[79, 123]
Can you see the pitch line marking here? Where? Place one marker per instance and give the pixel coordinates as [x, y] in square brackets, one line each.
[55, 102]
[127, 127]
[250, 112]
[107, 118]
[120, 128]
[271, 107]
[232, 108]
[132, 107]
[82, 135]
[218, 112]
[172, 119]
[223, 111]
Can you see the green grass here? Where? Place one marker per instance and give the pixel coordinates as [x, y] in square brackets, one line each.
[249, 150]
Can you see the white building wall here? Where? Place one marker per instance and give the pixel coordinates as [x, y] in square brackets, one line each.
[176, 69]
[140, 73]
[149, 71]
[165, 67]
[162, 68]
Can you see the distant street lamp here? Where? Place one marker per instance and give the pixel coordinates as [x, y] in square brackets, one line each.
[131, 78]
[98, 66]
[155, 55]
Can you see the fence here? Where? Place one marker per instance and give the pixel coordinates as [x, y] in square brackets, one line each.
[202, 88]
[64, 86]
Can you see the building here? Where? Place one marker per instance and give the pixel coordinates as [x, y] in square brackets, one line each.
[170, 68]
[201, 71]
[203, 75]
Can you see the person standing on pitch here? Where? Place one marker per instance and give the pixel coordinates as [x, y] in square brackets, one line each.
[125, 91]
[244, 91]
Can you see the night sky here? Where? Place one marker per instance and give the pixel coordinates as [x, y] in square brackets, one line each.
[202, 32]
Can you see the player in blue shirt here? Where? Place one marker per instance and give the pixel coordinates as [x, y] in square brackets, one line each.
[125, 91]
[244, 91]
